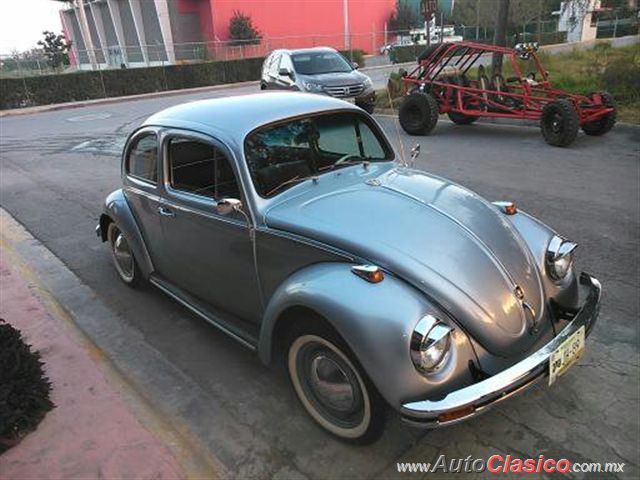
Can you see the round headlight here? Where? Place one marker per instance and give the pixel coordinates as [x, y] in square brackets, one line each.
[560, 256]
[430, 344]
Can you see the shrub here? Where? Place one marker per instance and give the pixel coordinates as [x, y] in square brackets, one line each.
[354, 55]
[48, 89]
[24, 390]
[409, 53]
[242, 31]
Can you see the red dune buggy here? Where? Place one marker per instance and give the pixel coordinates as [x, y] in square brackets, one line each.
[443, 82]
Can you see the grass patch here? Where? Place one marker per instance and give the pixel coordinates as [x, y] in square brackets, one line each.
[615, 70]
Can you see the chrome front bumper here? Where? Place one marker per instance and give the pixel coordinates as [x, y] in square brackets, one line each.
[477, 398]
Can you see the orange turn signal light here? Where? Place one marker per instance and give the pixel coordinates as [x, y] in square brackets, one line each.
[456, 414]
[508, 208]
[370, 273]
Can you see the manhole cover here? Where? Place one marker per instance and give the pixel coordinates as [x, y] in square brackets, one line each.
[89, 117]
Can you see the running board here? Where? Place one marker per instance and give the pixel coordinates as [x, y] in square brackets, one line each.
[199, 309]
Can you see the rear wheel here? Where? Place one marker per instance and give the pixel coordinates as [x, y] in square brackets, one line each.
[606, 122]
[461, 118]
[122, 255]
[332, 386]
[559, 123]
[418, 113]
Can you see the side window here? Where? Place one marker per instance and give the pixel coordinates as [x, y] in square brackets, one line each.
[285, 62]
[273, 68]
[200, 168]
[142, 161]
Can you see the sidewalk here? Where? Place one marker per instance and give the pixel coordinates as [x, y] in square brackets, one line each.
[94, 431]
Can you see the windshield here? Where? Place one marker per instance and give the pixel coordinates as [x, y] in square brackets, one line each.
[320, 62]
[282, 155]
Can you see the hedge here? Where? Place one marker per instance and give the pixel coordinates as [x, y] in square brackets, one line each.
[48, 89]
[408, 53]
[354, 56]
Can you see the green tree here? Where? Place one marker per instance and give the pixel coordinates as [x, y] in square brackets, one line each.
[56, 49]
[242, 31]
[404, 18]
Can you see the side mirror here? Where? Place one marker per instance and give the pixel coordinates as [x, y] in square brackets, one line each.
[355, 65]
[285, 72]
[226, 206]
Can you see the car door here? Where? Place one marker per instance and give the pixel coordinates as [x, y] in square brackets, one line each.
[285, 82]
[208, 255]
[141, 187]
[272, 70]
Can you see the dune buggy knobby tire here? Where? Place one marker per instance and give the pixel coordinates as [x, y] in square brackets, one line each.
[461, 118]
[418, 113]
[606, 123]
[559, 123]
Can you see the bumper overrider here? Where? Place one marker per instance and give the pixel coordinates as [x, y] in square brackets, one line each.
[479, 397]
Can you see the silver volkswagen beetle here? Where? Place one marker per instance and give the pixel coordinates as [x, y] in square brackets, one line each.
[287, 221]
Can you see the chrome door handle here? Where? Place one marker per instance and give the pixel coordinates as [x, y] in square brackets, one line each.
[166, 212]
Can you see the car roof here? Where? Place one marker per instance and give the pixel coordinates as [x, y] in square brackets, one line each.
[232, 118]
[305, 50]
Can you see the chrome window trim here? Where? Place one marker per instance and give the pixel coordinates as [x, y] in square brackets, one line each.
[124, 160]
[195, 203]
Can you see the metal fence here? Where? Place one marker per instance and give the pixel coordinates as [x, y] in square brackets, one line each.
[374, 42]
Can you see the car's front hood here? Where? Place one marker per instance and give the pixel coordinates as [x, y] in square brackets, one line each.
[445, 240]
[335, 79]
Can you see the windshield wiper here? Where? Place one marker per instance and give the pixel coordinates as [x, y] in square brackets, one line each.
[355, 160]
[296, 179]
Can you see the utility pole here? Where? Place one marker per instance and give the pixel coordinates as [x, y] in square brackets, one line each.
[500, 36]
[345, 12]
[477, 19]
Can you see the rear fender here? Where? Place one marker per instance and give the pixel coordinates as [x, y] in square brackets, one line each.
[375, 320]
[117, 209]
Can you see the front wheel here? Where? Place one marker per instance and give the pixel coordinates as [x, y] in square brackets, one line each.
[559, 123]
[604, 123]
[368, 107]
[333, 389]
[418, 113]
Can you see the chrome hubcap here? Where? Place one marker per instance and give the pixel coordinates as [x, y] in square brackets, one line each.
[331, 384]
[122, 255]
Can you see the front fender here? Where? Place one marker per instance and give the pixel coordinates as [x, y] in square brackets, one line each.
[117, 209]
[537, 235]
[376, 321]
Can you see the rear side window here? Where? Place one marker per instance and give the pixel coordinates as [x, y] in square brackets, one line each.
[201, 169]
[142, 162]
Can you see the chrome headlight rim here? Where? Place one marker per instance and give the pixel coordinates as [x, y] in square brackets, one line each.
[430, 333]
[560, 250]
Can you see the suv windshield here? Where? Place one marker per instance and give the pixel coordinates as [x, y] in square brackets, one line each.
[314, 63]
[279, 156]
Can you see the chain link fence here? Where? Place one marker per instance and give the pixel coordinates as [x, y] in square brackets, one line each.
[376, 43]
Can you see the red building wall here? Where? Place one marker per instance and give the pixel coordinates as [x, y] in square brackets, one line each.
[307, 23]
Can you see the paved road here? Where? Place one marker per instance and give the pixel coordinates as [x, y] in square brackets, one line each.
[57, 167]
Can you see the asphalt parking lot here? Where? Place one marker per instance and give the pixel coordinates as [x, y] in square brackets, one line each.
[57, 167]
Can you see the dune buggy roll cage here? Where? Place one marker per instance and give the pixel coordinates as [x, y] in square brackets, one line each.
[442, 71]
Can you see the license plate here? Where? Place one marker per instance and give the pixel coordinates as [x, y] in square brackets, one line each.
[566, 355]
